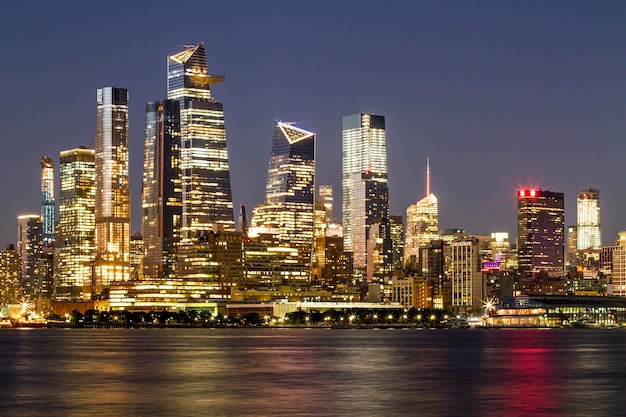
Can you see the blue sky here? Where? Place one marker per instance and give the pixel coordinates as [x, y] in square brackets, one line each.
[498, 94]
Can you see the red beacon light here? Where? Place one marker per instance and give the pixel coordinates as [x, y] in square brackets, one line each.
[533, 193]
[528, 193]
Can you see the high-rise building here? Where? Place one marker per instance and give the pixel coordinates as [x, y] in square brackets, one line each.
[112, 211]
[76, 231]
[161, 220]
[326, 199]
[10, 286]
[466, 277]
[290, 190]
[588, 224]
[206, 193]
[47, 201]
[540, 233]
[397, 240]
[30, 248]
[618, 266]
[363, 151]
[370, 205]
[422, 222]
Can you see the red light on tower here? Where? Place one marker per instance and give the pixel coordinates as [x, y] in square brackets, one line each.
[522, 193]
[533, 193]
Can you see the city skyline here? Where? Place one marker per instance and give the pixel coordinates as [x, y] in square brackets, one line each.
[510, 97]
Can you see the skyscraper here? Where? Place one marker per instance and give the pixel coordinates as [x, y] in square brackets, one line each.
[540, 232]
[290, 190]
[588, 225]
[422, 222]
[29, 246]
[76, 230]
[112, 211]
[363, 150]
[161, 219]
[47, 200]
[206, 193]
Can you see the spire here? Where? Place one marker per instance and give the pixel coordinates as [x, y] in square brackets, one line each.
[427, 176]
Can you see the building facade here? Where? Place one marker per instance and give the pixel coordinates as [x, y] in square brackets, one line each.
[162, 197]
[540, 233]
[206, 191]
[112, 210]
[290, 192]
[588, 220]
[30, 248]
[76, 231]
[47, 201]
[363, 150]
[422, 223]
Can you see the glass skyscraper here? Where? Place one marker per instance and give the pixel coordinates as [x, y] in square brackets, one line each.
[112, 210]
[422, 223]
[206, 192]
[161, 218]
[588, 224]
[290, 191]
[76, 228]
[363, 150]
[47, 201]
[540, 233]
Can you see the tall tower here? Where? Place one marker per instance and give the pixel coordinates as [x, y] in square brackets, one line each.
[290, 190]
[112, 211]
[588, 225]
[363, 150]
[29, 246]
[540, 232]
[76, 231]
[47, 201]
[207, 200]
[161, 219]
[422, 222]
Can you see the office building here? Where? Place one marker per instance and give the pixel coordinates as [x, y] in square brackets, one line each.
[30, 248]
[112, 211]
[363, 151]
[467, 277]
[47, 201]
[10, 285]
[588, 220]
[162, 205]
[422, 222]
[618, 267]
[290, 192]
[397, 241]
[540, 233]
[206, 191]
[76, 231]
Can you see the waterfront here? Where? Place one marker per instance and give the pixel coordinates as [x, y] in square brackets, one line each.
[302, 372]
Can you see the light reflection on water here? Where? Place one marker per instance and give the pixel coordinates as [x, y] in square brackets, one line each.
[303, 372]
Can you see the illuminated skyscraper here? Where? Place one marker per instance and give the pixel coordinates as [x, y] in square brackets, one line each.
[206, 193]
[30, 248]
[112, 211]
[540, 232]
[363, 150]
[161, 218]
[290, 191]
[326, 199]
[47, 200]
[76, 230]
[588, 227]
[370, 206]
[422, 223]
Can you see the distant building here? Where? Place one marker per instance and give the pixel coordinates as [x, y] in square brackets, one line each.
[47, 201]
[290, 192]
[397, 241]
[162, 196]
[588, 220]
[422, 222]
[618, 268]
[10, 286]
[76, 232]
[364, 151]
[30, 248]
[112, 211]
[540, 233]
[467, 278]
[207, 198]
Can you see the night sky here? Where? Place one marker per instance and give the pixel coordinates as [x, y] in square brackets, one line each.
[498, 94]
